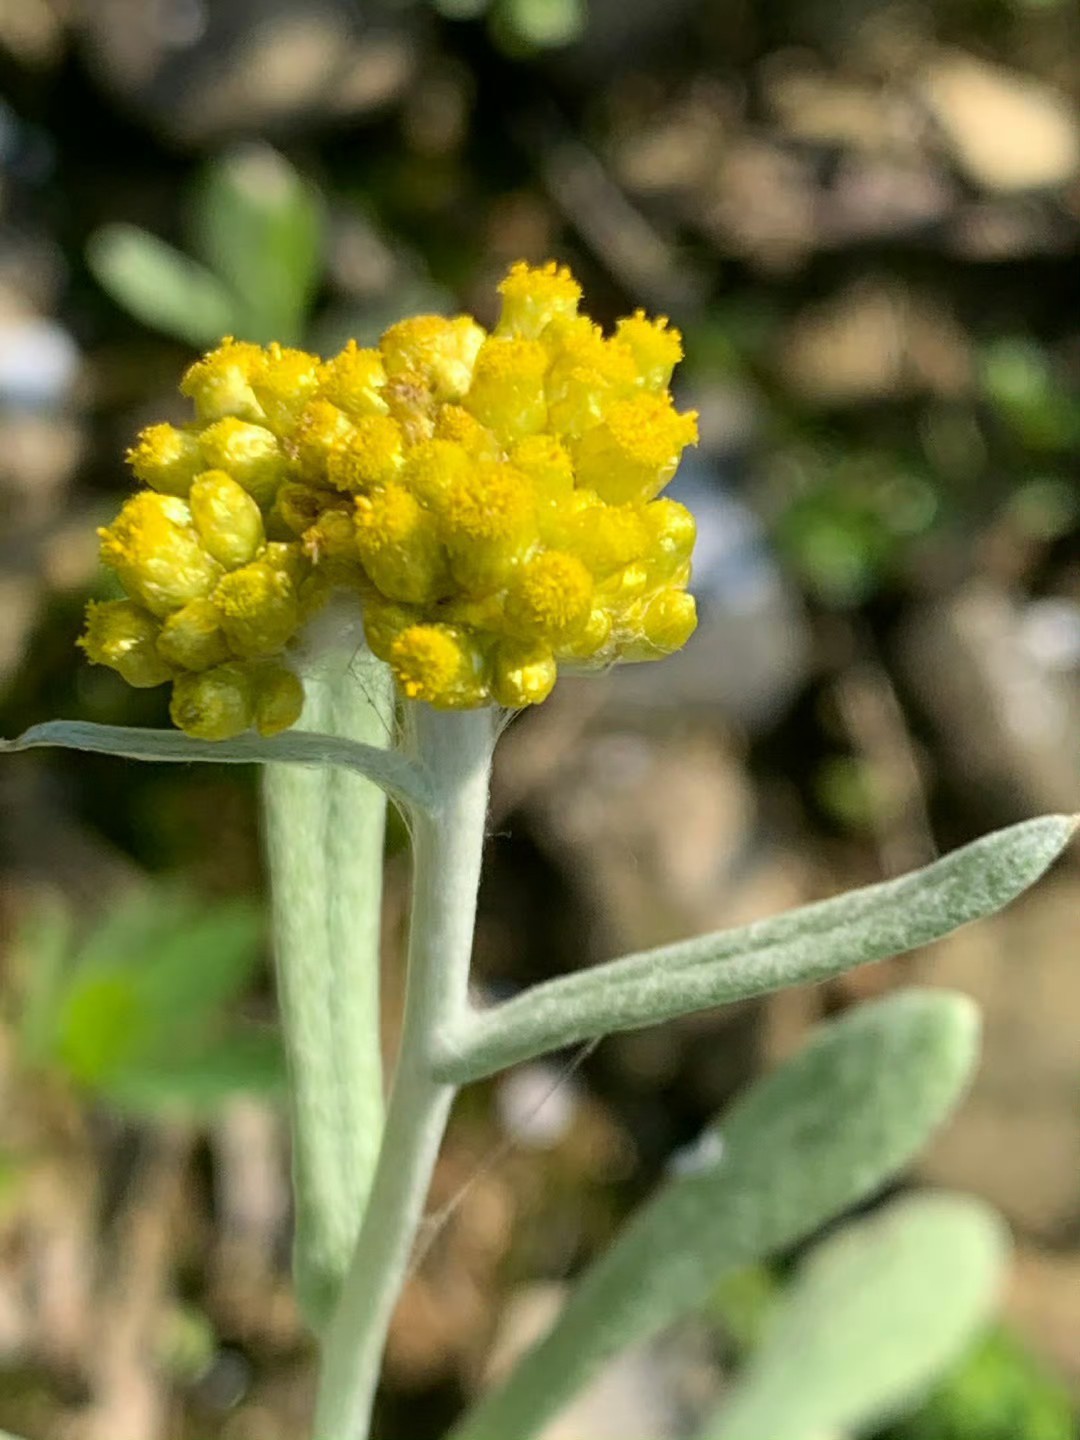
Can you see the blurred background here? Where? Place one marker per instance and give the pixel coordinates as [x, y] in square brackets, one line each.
[865, 217]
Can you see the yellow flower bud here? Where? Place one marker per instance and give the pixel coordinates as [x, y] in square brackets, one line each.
[155, 550]
[322, 431]
[218, 383]
[488, 521]
[372, 456]
[656, 347]
[192, 638]
[166, 459]
[604, 537]
[663, 623]
[522, 674]
[123, 636]
[634, 451]
[441, 665]
[591, 642]
[551, 598]
[250, 453]
[228, 520]
[587, 374]
[259, 611]
[399, 546]
[433, 467]
[507, 391]
[279, 698]
[546, 462]
[440, 352]
[216, 704]
[282, 383]
[533, 298]
[454, 423]
[672, 531]
[354, 381]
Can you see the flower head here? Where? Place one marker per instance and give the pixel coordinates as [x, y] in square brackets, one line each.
[489, 502]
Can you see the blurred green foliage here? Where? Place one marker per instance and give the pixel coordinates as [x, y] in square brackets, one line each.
[256, 230]
[848, 516]
[998, 1392]
[138, 1013]
[522, 26]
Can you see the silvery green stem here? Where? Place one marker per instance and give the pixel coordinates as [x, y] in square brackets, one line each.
[324, 837]
[455, 749]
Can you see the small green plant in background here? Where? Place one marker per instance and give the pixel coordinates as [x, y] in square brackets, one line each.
[139, 1013]
[997, 1392]
[523, 26]
[256, 237]
[349, 571]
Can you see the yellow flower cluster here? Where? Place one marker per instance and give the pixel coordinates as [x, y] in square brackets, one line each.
[491, 500]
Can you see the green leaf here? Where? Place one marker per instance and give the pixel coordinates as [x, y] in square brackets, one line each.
[186, 958]
[540, 24]
[160, 286]
[804, 1144]
[875, 1316]
[243, 1062]
[258, 225]
[153, 979]
[796, 948]
[399, 777]
[998, 1392]
[99, 1026]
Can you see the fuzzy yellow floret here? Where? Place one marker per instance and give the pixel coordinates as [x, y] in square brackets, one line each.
[124, 636]
[373, 455]
[655, 345]
[155, 550]
[167, 459]
[634, 451]
[399, 546]
[507, 391]
[354, 381]
[283, 381]
[219, 383]
[259, 612]
[440, 352]
[440, 665]
[532, 297]
[551, 597]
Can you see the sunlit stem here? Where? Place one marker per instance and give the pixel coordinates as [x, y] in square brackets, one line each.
[455, 749]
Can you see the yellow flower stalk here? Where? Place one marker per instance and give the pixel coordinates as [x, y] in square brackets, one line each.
[488, 502]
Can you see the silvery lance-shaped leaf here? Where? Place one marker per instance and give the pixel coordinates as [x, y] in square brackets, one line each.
[872, 1320]
[797, 947]
[399, 777]
[804, 1143]
[160, 286]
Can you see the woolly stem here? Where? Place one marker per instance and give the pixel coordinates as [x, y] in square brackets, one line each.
[455, 749]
